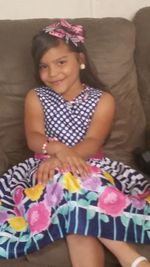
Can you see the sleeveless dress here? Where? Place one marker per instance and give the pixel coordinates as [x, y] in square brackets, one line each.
[113, 202]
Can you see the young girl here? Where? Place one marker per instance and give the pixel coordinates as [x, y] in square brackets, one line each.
[70, 189]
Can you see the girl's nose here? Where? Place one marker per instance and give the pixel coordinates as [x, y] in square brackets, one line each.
[52, 71]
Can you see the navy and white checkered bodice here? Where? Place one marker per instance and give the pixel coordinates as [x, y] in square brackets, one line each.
[68, 121]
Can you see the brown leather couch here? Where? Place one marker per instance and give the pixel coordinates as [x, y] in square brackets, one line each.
[120, 50]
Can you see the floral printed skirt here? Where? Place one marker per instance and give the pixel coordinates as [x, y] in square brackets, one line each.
[113, 202]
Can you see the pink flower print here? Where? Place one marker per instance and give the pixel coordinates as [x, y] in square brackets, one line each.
[92, 184]
[112, 201]
[54, 194]
[3, 216]
[94, 171]
[18, 195]
[137, 203]
[38, 217]
[19, 210]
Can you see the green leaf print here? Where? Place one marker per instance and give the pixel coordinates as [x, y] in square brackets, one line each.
[14, 239]
[83, 202]
[66, 195]
[27, 245]
[72, 206]
[92, 196]
[63, 210]
[137, 219]
[82, 191]
[5, 227]
[125, 220]
[3, 240]
[39, 236]
[24, 238]
[147, 226]
[10, 230]
[3, 253]
[55, 220]
[90, 214]
[104, 218]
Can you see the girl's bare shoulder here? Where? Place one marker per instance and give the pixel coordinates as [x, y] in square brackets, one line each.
[32, 100]
[106, 103]
[106, 96]
[31, 94]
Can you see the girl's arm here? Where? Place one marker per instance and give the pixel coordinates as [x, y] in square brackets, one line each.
[35, 134]
[34, 125]
[99, 128]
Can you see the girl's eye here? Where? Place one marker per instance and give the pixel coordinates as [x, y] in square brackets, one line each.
[61, 62]
[42, 66]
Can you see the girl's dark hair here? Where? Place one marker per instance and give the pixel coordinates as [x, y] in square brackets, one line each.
[43, 41]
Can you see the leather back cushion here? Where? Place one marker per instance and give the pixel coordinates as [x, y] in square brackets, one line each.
[142, 51]
[3, 161]
[111, 43]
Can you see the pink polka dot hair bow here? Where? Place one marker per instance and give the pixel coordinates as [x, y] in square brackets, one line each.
[64, 29]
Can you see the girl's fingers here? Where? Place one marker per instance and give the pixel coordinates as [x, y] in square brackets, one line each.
[51, 174]
[64, 166]
[82, 170]
[42, 174]
[46, 169]
[45, 177]
[79, 167]
[38, 175]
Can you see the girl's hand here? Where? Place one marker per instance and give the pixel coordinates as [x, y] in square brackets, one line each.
[46, 170]
[71, 161]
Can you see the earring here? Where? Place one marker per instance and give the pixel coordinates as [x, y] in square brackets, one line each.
[82, 66]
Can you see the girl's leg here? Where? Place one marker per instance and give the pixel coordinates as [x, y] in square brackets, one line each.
[124, 252]
[85, 251]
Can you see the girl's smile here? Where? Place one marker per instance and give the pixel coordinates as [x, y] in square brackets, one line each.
[60, 69]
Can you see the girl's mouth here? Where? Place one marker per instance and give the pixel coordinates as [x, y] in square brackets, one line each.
[57, 82]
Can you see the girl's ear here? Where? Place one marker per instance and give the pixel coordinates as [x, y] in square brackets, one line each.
[81, 58]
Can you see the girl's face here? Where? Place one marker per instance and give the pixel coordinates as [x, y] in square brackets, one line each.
[59, 69]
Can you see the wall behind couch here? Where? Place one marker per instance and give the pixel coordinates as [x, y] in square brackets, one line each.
[22, 9]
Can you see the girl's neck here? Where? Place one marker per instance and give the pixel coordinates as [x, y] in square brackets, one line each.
[70, 96]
